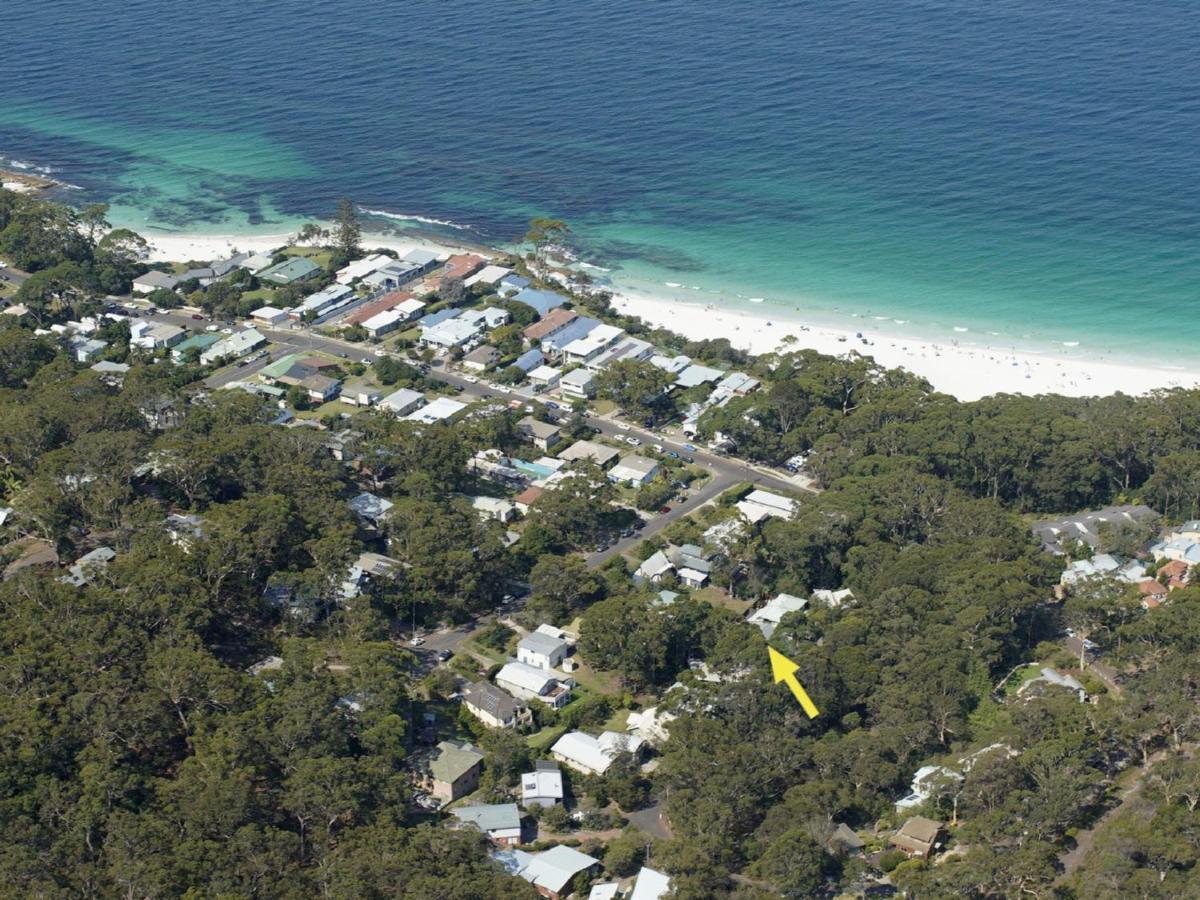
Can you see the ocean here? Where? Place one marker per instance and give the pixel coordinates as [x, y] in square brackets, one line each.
[1021, 171]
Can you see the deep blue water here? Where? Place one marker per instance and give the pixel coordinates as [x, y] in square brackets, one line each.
[1017, 166]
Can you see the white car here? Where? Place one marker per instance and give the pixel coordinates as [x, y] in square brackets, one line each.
[3, 264]
[381, 353]
[633, 442]
[500, 389]
[470, 379]
[226, 331]
[210, 328]
[658, 448]
[622, 426]
[417, 641]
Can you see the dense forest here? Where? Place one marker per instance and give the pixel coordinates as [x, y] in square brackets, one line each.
[140, 758]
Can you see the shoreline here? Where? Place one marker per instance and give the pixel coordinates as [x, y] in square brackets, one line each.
[967, 368]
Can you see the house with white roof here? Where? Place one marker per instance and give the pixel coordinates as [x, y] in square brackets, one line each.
[234, 346]
[542, 650]
[768, 618]
[672, 364]
[528, 682]
[269, 316]
[488, 275]
[594, 755]
[551, 872]
[758, 505]
[627, 348]
[544, 378]
[361, 268]
[592, 344]
[633, 470]
[385, 322]
[494, 508]
[543, 786]
[402, 402]
[439, 410]
[650, 885]
[578, 384]
[322, 302]
[449, 333]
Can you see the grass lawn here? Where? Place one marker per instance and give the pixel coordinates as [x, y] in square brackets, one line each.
[332, 408]
[541, 740]
[715, 596]
[618, 722]
[603, 407]
[316, 254]
[261, 295]
[596, 682]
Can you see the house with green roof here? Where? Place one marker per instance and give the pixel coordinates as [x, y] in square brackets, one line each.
[453, 771]
[200, 341]
[290, 271]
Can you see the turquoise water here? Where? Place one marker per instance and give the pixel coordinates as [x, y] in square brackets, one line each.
[1012, 166]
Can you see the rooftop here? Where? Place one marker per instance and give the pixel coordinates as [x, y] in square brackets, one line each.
[491, 817]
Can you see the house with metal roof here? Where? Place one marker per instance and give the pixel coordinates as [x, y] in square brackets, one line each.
[370, 506]
[440, 409]
[633, 470]
[494, 707]
[531, 683]
[594, 755]
[501, 822]
[290, 271]
[696, 374]
[768, 618]
[592, 344]
[551, 872]
[543, 786]
[578, 384]
[542, 651]
[544, 378]
[234, 346]
[650, 885]
[541, 301]
[601, 454]
[487, 276]
[402, 402]
[154, 281]
[758, 505]
[529, 361]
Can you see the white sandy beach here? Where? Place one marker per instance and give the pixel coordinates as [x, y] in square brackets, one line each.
[187, 247]
[967, 367]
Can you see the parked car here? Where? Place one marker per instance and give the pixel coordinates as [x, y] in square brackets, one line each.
[366, 360]
[664, 510]
[344, 355]
[690, 447]
[658, 448]
[471, 379]
[672, 454]
[444, 655]
[550, 404]
[198, 317]
[622, 426]
[633, 441]
[417, 641]
[381, 353]
[3, 264]
[685, 458]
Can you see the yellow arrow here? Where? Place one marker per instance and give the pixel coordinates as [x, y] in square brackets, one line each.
[783, 669]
